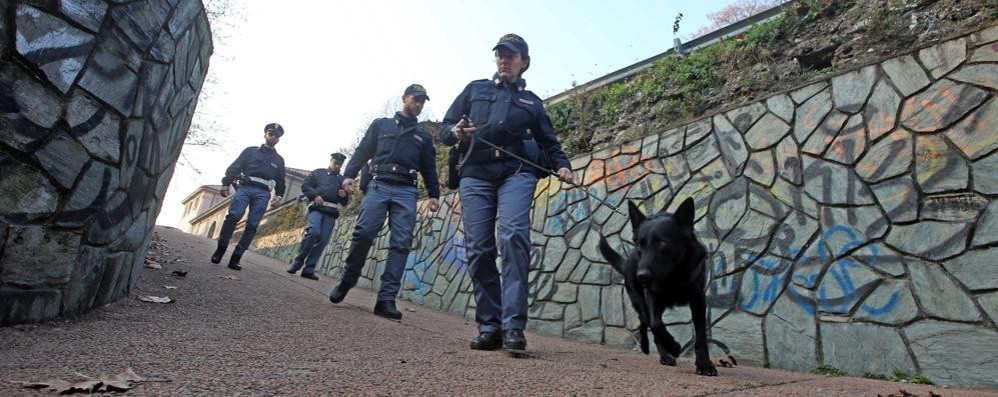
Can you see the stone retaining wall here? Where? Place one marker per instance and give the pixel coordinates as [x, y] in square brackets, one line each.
[97, 97]
[851, 222]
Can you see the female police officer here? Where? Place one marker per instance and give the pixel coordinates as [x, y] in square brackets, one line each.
[494, 185]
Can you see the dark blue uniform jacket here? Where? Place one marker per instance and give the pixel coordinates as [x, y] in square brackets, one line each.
[398, 141]
[257, 161]
[511, 117]
[325, 183]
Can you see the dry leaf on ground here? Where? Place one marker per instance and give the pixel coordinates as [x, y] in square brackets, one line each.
[169, 287]
[118, 383]
[179, 273]
[180, 260]
[153, 265]
[156, 299]
[229, 277]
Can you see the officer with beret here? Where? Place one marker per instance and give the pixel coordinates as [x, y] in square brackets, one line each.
[326, 195]
[398, 149]
[256, 171]
[496, 187]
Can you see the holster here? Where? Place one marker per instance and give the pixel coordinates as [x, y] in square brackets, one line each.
[365, 177]
[453, 173]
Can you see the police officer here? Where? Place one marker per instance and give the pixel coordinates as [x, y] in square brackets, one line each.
[324, 190]
[399, 149]
[255, 172]
[495, 186]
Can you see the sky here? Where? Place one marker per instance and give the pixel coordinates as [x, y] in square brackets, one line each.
[325, 69]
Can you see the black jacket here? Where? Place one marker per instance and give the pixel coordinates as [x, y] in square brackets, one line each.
[400, 141]
[507, 115]
[324, 183]
[257, 161]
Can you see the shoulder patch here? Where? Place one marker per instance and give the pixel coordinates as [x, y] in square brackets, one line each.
[526, 101]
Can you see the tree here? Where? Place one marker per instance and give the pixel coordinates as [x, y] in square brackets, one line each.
[734, 12]
[223, 15]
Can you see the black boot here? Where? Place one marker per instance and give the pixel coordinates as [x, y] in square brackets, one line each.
[387, 309]
[310, 276]
[487, 341]
[217, 256]
[339, 292]
[514, 339]
[234, 261]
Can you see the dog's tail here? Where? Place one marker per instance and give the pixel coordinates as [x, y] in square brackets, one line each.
[611, 256]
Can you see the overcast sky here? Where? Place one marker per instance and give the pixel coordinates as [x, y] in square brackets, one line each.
[323, 69]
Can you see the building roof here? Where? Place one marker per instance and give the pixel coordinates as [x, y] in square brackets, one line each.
[200, 188]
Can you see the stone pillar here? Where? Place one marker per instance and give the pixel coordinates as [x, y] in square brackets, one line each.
[96, 98]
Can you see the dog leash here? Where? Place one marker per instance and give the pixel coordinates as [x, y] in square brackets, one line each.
[471, 146]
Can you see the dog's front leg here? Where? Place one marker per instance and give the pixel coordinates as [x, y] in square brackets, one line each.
[667, 346]
[698, 307]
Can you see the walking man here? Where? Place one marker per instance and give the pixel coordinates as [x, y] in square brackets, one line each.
[398, 149]
[255, 172]
[324, 190]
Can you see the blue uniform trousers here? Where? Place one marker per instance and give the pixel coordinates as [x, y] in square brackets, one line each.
[501, 305]
[317, 233]
[252, 196]
[398, 202]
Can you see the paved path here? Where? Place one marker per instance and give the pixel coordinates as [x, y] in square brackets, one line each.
[269, 333]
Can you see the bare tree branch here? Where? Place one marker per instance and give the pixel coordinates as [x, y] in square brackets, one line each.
[735, 12]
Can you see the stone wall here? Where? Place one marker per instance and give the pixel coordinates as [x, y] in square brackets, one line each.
[97, 97]
[851, 222]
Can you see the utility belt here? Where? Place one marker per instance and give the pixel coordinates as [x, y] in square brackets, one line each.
[526, 148]
[267, 183]
[328, 205]
[393, 173]
[492, 154]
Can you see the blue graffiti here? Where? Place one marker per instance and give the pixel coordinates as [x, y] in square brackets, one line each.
[768, 294]
[419, 265]
[839, 274]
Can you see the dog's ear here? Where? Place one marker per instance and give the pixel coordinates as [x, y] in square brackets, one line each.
[685, 213]
[637, 217]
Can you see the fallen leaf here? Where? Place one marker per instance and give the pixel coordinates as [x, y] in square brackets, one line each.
[169, 287]
[86, 386]
[53, 384]
[179, 273]
[118, 383]
[115, 386]
[410, 310]
[156, 299]
[153, 265]
[129, 376]
[229, 277]
[180, 260]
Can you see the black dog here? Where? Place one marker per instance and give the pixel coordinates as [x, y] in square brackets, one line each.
[665, 270]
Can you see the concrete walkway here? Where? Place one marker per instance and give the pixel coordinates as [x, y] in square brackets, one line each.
[270, 333]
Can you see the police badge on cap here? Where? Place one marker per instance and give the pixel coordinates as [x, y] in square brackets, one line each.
[514, 43]
[417, 90]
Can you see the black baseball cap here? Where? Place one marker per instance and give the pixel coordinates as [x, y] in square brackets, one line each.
[417, 90]
[514, 43]
[274, 127]
[339, 157]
